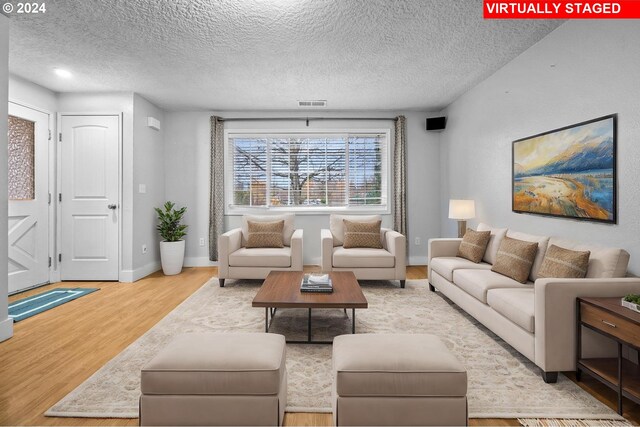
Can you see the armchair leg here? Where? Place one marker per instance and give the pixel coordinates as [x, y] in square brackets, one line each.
[221, 282]
[550, 377]
[432, 288]
[402, 282]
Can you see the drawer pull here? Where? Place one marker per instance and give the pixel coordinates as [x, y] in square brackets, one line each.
[613, 325]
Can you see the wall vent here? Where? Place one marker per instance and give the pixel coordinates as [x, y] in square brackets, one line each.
[312, 104]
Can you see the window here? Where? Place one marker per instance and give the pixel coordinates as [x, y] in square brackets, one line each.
[307, 171]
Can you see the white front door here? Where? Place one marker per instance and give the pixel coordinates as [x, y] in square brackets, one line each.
[89, 197]
[28, 186]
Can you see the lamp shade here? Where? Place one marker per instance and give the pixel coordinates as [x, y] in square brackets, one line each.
[462, 209]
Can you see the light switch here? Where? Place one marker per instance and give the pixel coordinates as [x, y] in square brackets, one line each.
[142, 188]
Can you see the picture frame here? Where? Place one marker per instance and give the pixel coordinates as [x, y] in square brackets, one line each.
[569, 172]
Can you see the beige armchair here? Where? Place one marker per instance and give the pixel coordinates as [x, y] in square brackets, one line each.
[236, 261]
[388, 263]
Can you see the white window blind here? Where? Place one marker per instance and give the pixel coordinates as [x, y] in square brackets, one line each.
[310, 170]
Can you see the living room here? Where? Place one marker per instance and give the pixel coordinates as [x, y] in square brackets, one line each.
[177, 83]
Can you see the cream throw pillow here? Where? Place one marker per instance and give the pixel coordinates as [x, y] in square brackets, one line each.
[265, 234]
[362, 234]
[515, 258]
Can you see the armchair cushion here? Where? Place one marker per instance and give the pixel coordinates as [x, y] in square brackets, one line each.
[336, 225]
[288, 225]
[362, 258]
[362, 234]
[261, 257]
[265, 234]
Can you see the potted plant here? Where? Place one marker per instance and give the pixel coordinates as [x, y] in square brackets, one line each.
[172, 232]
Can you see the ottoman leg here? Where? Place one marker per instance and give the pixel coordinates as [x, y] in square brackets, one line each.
[402, 282]
[432, 288]
[221, 282]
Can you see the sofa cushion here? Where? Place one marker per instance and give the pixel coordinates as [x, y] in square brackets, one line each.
[515, 258]
[396, 365]
[604, 262]
[478, 282]
[362, 258]
[336, 225]
[445, 266]
[497, 234]
[288, 225]
[564, 263]
[516, 305]
[473, 245]
[217, 364]
[265, 234]
[362, 234]
[543, 242]
[261, 257]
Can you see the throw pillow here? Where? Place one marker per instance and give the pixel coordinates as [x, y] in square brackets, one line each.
[265, 234]
[474, 244]
[515, 258]
[564, 263]
[362, 234]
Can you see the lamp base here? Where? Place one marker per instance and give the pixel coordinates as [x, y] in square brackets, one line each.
[462, 228]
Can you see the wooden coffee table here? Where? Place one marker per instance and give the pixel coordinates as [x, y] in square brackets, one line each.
[281, 289]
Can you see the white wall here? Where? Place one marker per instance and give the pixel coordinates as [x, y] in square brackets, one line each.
[6, 324]
[595, 73]
[187, 154]
[113, 103]
[32, 95]
[148, 170]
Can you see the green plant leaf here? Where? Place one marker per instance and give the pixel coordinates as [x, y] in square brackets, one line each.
[169, 226]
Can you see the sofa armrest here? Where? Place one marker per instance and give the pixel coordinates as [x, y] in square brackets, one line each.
[297, 253]
[228, 243]
[443, 247]
[396, 243]
[555, 317]
[326, 255]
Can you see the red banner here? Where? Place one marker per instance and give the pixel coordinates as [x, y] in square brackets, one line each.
[586, 9]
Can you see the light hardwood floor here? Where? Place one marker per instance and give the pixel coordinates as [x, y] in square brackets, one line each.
[55, 351]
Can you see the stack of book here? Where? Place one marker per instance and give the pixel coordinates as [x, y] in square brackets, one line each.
[316, 283]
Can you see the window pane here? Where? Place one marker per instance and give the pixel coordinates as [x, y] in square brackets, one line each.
[21, 153]
[249, 172]
[365, 170]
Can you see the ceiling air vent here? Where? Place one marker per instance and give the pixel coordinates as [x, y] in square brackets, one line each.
[312, 104]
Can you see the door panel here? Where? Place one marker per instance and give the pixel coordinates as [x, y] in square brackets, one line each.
[28, 185]
[89, 173]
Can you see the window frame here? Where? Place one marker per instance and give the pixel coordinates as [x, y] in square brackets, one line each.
[231, 210]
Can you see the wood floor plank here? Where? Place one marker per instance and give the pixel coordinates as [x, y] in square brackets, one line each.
[54, 352]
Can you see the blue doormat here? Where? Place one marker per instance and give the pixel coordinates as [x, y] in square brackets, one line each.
[30, 306]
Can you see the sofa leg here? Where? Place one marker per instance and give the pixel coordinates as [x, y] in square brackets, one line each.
[402, 282]
[550, 377]
[432, 288]
[221, 282]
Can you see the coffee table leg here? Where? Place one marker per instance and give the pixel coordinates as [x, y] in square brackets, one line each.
[353, 320]
[266, 319]
[309, 327]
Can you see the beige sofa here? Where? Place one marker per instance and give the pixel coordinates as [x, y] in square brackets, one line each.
[537, 318]
[236, 261]
[388, 263]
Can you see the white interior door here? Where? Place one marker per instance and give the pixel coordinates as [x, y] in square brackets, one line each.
[89, 197]
[28, 186]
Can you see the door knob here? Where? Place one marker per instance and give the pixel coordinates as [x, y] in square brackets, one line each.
[112, 206]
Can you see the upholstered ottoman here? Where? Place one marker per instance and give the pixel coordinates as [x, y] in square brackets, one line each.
[399, 379]
[216, 379]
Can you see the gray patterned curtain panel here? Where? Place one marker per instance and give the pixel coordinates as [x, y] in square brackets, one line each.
[216, 196]
[400, 177]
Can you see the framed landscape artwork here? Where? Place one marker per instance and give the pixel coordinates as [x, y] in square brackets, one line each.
[568, 172]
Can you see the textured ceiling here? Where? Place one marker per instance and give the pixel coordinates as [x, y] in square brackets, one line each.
[267, 54]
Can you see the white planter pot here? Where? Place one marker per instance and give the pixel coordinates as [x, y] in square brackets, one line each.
[172, 257]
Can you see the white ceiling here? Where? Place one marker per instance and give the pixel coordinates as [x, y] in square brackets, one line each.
[267, 54]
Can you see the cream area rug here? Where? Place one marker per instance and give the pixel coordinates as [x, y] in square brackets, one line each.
[502, 383]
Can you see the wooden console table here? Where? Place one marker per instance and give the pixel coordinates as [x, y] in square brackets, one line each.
[608, 317]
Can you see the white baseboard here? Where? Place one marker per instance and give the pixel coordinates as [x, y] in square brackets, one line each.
[418, 260]
[201, 261]
[129, 276]
[6, 329]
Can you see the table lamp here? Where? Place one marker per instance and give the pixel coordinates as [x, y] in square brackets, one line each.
[462, 210]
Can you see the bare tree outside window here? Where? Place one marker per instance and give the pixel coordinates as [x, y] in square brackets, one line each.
[308, 171]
